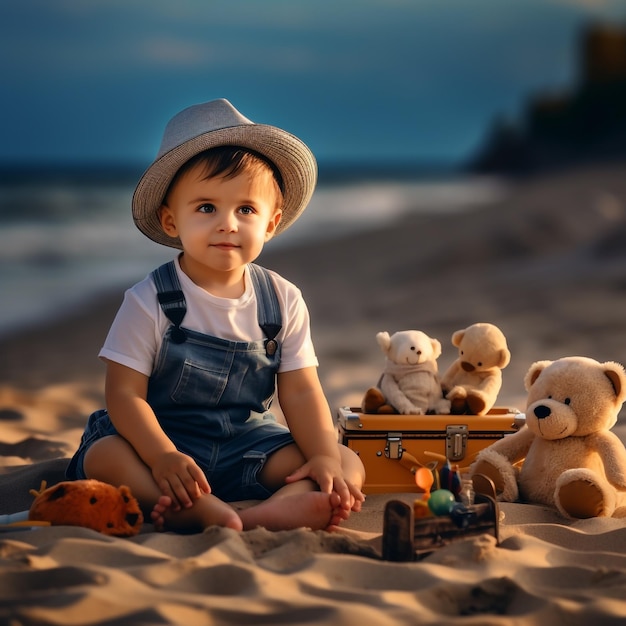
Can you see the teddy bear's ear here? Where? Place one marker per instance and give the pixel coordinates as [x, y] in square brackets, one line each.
[457, 337]
[505, 358]
[56, 492]
[384, 341]
[436, 344]
[615, 373]
[533, 373]
[125, 492]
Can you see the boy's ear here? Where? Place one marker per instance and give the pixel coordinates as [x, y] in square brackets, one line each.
[168, 224]
[273, 224]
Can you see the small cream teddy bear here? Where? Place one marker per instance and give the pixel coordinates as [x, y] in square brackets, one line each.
[410, 381]
[473, 380]
[570, 458]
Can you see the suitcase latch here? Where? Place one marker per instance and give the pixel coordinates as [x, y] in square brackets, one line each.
[456, 442]
[393, 448]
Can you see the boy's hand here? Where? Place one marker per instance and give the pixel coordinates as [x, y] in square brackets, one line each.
[179, 477]
[326, 471]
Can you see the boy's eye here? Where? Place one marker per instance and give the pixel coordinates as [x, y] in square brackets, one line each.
[206, 208]
[246, 210]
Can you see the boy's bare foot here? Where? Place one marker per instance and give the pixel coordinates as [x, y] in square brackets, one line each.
[206, 511]
[311, 509]
[163, 504]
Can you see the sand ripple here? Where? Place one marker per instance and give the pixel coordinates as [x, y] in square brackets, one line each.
[540, 574]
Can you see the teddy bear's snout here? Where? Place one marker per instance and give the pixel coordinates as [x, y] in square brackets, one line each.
[132, 518]
[542, 411]
[467, 366]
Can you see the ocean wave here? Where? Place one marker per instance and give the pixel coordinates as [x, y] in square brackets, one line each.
[64, 244]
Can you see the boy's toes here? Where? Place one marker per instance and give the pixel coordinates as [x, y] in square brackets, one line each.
[157, 515]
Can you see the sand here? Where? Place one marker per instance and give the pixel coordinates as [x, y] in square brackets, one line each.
[545, 263]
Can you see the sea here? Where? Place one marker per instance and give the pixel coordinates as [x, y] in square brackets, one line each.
[67, 236]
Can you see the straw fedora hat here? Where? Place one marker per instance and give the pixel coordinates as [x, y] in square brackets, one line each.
[218, 123]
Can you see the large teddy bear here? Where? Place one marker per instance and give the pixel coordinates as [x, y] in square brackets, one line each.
[410, 380]
[473, 380]
[571, 460]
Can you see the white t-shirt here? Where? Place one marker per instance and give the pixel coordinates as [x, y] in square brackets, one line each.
[136, 334]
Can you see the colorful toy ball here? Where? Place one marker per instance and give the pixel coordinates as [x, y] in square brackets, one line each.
[441, 502]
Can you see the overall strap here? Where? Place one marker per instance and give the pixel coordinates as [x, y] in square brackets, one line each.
[172, 301]
[171, 298]
[268, 308]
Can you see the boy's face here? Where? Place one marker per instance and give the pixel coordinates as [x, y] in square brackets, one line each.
[222, 223]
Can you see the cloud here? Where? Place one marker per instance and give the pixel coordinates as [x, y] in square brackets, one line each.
[188, 55]
[174, 52]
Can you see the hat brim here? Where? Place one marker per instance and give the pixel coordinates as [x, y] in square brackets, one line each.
[292, 158]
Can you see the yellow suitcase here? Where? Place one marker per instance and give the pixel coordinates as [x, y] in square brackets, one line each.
[392, 447]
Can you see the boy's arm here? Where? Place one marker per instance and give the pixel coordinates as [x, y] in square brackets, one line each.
[309, 419]
[176, 474]
[307, 413]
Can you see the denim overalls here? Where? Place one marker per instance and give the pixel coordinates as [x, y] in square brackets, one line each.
[212, 395]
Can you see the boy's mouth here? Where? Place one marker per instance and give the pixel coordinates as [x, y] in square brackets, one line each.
[224, 245]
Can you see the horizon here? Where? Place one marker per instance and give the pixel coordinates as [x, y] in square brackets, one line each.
[329, 172]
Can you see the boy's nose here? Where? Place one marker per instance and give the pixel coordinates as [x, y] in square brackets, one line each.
[227, 222]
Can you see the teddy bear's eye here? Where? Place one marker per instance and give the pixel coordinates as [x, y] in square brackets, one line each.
[567, 400]
[93, 500]
[109, 524]
[480, 363]
[126, 499]
[413, 348]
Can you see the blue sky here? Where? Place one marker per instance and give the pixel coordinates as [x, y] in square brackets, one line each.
[358, 80]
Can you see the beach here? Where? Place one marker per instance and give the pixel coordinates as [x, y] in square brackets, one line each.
[545, 262]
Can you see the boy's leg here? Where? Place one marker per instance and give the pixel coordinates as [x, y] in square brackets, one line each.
[285, 460]
[300, 504]
[354, 470]
[291, 508]
[128, 469]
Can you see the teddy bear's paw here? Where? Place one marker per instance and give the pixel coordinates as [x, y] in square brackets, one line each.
[580, 493]
[413, 410]
[457, 396]
[620, 512]
[457, 393]
[504, 476]
[442, 407]
[581, 499]
[458, 406]
[487, 469]
[476, 404]
[373, 400]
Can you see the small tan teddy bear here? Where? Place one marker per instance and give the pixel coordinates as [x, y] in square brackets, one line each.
[410, 382]
[473, 380]
[571, 460]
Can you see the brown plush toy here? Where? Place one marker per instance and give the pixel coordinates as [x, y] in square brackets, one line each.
[88, 503]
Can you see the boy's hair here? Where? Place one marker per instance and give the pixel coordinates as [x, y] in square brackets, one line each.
[228, 162]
